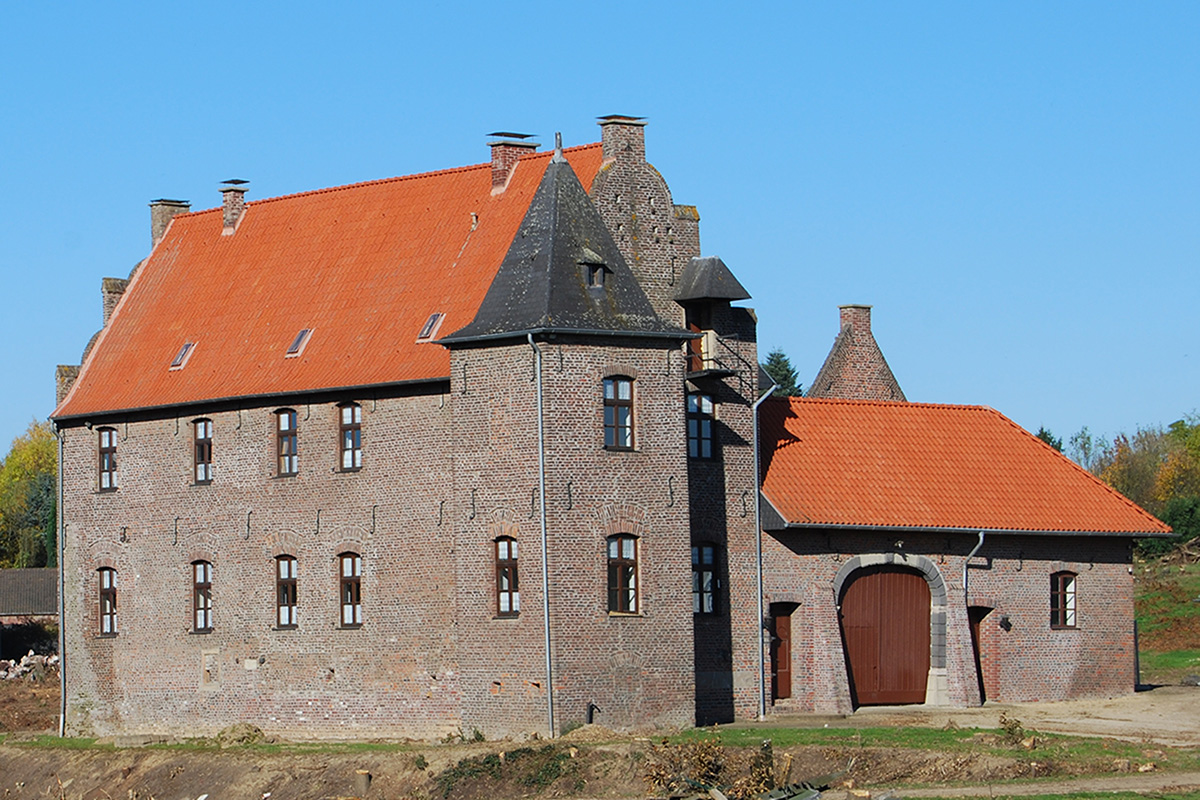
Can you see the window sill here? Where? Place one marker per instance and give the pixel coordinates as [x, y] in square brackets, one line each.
[348, 470]
[626, 614]
[612, 448]
[1064, 627]
[357, 627]
[204, 632]
[285, 628]
[284, 475]
[201, 483]
[506, 616]
[106, 635]
[106, 491]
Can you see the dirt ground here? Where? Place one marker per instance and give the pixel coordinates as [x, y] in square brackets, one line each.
[589, 762]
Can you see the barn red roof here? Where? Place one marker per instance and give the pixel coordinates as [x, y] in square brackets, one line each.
[887, 464]
[362, 266]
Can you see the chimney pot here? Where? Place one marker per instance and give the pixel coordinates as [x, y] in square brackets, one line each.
[233, 205]
[506, 152]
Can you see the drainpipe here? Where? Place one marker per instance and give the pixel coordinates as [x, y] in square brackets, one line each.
[970, 555]
[62, 574]
[762, 614]
[541, 425]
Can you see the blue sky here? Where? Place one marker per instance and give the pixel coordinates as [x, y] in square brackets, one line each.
[1015, 187]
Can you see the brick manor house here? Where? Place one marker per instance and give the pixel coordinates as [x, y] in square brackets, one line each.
[489, 449]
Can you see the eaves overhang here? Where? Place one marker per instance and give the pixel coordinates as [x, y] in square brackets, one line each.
[219, 403]
[671, 335]
[827, 526]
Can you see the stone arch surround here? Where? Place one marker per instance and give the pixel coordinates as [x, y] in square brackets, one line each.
[937, 689]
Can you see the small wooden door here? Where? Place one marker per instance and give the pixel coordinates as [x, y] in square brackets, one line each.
[885, 632]
[781, 654]
[699, 319]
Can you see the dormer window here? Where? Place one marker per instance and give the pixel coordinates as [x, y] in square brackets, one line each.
[430, 328]
[182, 356]
[595, 275]
[298, 344]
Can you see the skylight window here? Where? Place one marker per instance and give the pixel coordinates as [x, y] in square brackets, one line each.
[182, 356]
[298, 344]
[430, 328]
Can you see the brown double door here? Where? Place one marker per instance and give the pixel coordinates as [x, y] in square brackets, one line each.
[885, 633]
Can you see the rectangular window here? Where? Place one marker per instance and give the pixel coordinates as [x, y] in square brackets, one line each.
[285, 592]
[700, 419]
[182, 356]
[430, 328]
[704, 581]
[1062, 600]
[298, 344]
[618, 413]
[351, 589]
[286, 443]
[202, 596]
[204, 434]
[108, 601]
[108, 459]
[508, 595]
[622, 574]
[351, 436]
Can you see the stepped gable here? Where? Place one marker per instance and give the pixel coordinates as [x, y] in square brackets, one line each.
[363, 267]
[563, 274]
[874, 464]
[855, 368]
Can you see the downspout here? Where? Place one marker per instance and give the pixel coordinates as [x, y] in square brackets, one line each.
[537, 362]
[762, 614]
[970, 555]
[62, 574]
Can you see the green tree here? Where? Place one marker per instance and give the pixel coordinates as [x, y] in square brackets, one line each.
[1049, 438]
[27, 499]
[779, 367]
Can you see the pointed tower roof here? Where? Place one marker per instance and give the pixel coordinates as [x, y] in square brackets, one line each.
[855, 368]
[563, 273]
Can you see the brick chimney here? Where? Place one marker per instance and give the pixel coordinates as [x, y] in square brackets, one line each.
[858, 316]
[623, 137]
[111, 290]
[507, 150]
[162, 211]
[233, 205]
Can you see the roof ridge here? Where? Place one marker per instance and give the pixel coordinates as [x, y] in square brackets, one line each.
[895, 404]
[394, 179]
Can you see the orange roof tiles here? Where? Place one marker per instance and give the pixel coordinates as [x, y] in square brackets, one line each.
[362, 266]
[865, 463]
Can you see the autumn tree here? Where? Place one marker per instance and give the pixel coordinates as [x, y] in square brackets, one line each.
[27, 499]
[779, 367]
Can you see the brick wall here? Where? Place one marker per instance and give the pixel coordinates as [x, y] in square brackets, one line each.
[1022, 661]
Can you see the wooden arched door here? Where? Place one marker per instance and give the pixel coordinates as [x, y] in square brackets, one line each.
[885, 633]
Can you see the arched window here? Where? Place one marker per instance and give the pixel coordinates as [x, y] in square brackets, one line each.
[203, 450]
[285, 592]
[202, 606]
[1062, 600]
[108, 459]
[350, 583]
[286, 442]
[622, 574]
[350, 435]
[618, 413]
[107, 583]
[508, 595]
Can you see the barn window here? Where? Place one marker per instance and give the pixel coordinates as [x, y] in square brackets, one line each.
[1062, 600]
[107, 578]
[508, 595]
[286, 443]
[108, 459]
[350, 436]
[202, 597]
[351, 589]
[622, 574]
[618, 413]
[704, 579]
[203, 450]
[285, 592]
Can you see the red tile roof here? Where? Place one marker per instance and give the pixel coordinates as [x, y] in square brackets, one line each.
[362, 266]
[868, 463]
